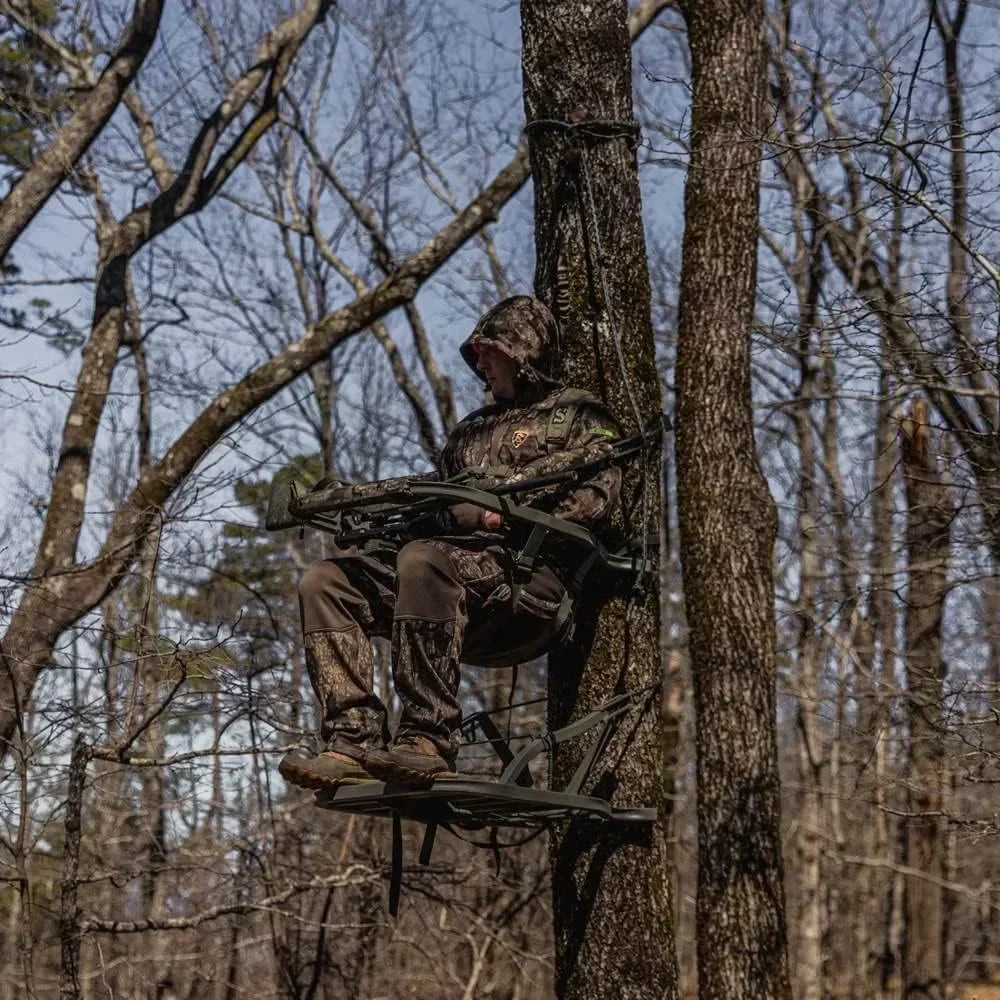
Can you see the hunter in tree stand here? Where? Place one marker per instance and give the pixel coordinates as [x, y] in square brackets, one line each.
[448, 593]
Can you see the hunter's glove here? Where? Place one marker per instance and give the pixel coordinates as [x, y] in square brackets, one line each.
[459, 519]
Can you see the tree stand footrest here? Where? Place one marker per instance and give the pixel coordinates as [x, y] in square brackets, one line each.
[470, 804]
[512, 801]
[474, 804]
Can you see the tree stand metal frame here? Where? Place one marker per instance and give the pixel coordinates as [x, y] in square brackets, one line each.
[510, 801]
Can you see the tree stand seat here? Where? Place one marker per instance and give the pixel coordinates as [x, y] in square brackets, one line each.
[510, 801]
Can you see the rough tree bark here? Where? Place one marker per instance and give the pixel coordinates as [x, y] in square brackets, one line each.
[930, 510]
[612, 892]
[727, 517]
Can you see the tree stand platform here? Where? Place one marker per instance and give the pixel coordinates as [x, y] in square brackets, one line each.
[510, 801]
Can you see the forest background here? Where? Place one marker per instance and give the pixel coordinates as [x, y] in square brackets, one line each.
[320, 199]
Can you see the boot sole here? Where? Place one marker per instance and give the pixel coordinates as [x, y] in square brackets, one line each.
[304, 778]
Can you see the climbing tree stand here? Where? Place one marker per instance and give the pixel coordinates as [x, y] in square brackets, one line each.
[390, 508]
[510, 801]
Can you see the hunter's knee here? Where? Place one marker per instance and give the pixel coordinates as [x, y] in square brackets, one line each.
[420, 561]
[322, 592]
[319, 579]
[426, 581]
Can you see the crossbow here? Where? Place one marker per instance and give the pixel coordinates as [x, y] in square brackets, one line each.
[395, 508]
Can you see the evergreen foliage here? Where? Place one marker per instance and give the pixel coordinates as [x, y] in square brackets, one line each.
[33, 88]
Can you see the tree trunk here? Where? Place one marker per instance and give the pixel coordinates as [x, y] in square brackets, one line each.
[69, 924]
[873, 957]
[928, 535]
[727, 518]
[612, 894]
[809, 831]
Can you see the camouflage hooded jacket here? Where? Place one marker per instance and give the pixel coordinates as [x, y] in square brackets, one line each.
[545, 428]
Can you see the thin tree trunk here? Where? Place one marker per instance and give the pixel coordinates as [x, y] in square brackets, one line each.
[22, 866]
[987, 919]
[612, 894]
[808, 954]
[69, 913]
[229, 986]
[928, 535]
[727, 518]
[10, 947]
[872, 956]
[839, 896]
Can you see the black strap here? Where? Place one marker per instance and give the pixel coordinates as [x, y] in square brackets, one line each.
[396, 871]
[562, 415]
[576, 581]
[524, 563]
[428, 842]
[572, 591]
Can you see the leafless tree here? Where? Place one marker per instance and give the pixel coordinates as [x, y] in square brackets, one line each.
[727, 518]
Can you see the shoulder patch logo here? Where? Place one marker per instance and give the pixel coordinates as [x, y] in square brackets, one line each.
[559, 415]
[520, 436]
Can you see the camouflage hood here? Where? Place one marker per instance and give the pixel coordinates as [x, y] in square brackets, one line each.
[526, 331]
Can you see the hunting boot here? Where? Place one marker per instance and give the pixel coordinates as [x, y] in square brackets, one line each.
[425, 661]
[411, 760]
[341, 669]
[329, 769]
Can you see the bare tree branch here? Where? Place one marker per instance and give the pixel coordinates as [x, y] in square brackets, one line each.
[55, 164]
[354, 875]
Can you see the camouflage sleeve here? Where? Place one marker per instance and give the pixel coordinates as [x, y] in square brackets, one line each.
[447, 464]
[591, 436]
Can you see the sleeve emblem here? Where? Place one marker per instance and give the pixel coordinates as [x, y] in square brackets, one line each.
[520, 436]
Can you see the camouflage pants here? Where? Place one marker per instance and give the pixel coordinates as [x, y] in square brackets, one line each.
[439, 602]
